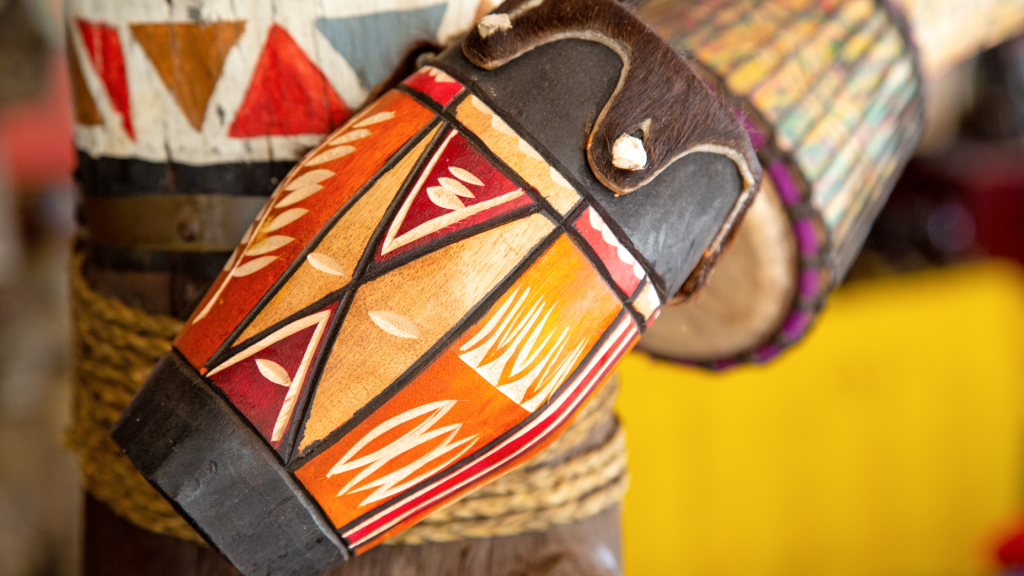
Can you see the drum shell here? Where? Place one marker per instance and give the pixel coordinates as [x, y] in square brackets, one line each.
[831, 93]
[443, 271]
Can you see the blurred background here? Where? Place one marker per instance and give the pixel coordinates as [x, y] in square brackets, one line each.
[890, 442]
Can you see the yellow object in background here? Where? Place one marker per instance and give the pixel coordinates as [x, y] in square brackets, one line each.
[889, 443]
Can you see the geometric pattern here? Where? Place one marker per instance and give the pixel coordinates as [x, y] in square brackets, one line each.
[85, 107]
[458, 188]
[647, 303]
[402, 315]
[206, 73]
[621, 265]
[516, 446]
[423, 281]
[288, 94]
[491, 379]
[104, 49]
[506, 144]
[189, 59]
[434, 84]
[399, 443]
[266, 380]
[331, 262]
[303, 203]
[536, 334]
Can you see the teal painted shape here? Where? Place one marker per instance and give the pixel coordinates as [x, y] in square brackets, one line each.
[373, 43]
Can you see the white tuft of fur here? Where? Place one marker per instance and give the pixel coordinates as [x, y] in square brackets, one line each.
[628, 153]
[493, 23]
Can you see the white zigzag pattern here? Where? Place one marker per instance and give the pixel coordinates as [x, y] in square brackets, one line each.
[514, 331]
[401, 479]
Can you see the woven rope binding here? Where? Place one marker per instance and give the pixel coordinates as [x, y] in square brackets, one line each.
[116, 346]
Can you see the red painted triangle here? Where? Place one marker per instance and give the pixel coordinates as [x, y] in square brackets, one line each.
[288, 94]
[461, 188]
[105, 52]
[266, 380]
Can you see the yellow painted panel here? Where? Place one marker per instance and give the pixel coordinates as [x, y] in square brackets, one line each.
[890, 442]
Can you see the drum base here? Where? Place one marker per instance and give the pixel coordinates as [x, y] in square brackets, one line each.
[191, 445]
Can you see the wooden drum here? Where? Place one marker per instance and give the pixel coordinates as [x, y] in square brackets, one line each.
[433, 292]
[831, 95]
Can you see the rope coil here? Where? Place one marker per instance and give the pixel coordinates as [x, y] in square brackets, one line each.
[116, 346]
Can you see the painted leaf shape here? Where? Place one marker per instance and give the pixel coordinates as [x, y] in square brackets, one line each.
[375, 119]
[274, 372]
[311, 177]
[529, 150]
[325, 264]
[351, 136]
[444, 198]
[395, 324]
[455, 187]
[439, 75]
[465, 175]
[253, 266]
[332, 154]
[268, 244]
[283, 219]
[299, 195]
[500, 125]
[557, 178]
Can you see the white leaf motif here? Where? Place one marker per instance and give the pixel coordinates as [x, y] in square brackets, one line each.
[439, 75]
[299, 195]
[455, 187]
[274, 372]
[479, 104]
[375, 119]
[268, 244]
[386, 484]
[444, 198]
[465, 175]
[500, 125]
[395, 325]
[350, 136]
[332, 154]
[557, 178]
[325, 264]
[311, 177]
[283, 219]
[253, 266]
[529, 150]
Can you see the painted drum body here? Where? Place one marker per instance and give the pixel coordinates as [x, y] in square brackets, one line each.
[434, 291]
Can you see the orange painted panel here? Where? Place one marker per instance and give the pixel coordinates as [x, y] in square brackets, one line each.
[330, 265]
[313, 192]
[445, 414]
[498, 372]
